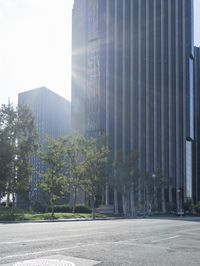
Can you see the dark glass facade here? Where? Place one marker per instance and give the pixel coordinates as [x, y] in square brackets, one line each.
[142, 65]
[196, 182]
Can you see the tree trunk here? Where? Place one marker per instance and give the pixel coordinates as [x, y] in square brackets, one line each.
[7, 199]
[116, 201]
[103, 197]
[13, 201]
[107, 194]
[93, 208]
[52, 209]
[74, 201]
[132, 200]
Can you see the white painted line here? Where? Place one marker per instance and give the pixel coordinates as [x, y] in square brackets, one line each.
[44, 262]
[26, 241]
[60, 239]
[164, 239]
[45, 251]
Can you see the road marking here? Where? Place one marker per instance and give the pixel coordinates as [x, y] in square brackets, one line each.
[61, 239]
[164, 239]
[26, 241]
[83, 245]
[44, 262]
[68, 248]
[46, 251]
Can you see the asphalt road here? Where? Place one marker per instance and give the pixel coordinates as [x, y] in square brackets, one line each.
[138, 242]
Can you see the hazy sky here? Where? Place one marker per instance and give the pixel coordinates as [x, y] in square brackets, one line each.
[35, 45]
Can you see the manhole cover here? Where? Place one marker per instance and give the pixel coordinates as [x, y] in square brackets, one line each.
[45, 262]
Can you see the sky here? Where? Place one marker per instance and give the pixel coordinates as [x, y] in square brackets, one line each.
[35, 46]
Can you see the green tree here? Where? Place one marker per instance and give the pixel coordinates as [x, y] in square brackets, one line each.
[18, 138]
[4, 162]
[75, 163]
[94, 168]
[54, 181]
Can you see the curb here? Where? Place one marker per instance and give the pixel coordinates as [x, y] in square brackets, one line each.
[65, 220]
[186, 218]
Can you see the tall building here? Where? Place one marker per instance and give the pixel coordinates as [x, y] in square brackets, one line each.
[196, 183]
[132, 78]
[52, 117]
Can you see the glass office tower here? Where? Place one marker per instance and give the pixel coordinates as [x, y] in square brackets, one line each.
[132, 78]
[196, 183]
[52, 118]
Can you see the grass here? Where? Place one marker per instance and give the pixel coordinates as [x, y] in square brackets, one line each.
[20, 215]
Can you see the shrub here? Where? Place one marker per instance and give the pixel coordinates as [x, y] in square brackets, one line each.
[38, 207]
[187, 206]
[197, 208]
[82, 209]
[170, 207]
[61, 208]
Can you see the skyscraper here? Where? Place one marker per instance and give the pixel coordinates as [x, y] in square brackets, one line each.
[52, 118]
[196, 183]
[132, 78]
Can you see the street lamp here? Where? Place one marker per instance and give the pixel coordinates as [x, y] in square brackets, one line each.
[154, 176]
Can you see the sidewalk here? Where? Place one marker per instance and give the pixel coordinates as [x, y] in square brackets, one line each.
[66, 220]
[178, 218]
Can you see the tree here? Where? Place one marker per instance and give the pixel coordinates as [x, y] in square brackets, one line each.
[18, 138]
[94, 168]
[54, 181]
[124, 179]
[149, 185]
[75, 149]
[4, 163]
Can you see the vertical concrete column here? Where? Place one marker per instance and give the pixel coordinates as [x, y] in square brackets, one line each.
[139, 84]
[147, 89]
[139, 102]
[177, 95]
[162, 108]
[107, 67]
[177, 199]
[124, 81]
[115, 97]
[184, 93]
[155, 85]
[170, 114]
[107, 87]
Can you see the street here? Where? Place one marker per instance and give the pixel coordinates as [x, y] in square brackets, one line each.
[140, 242]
